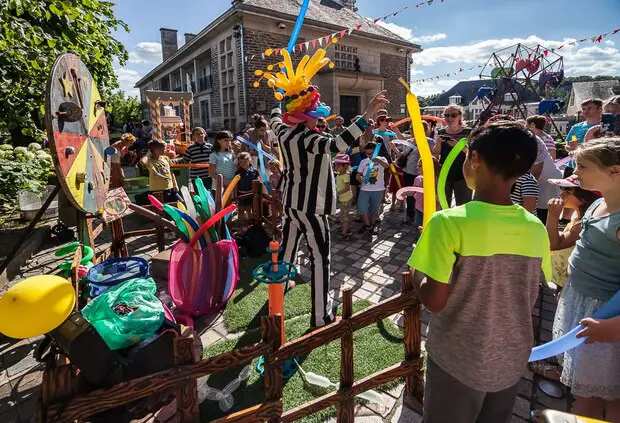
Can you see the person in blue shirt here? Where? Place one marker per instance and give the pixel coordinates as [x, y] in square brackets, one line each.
[591, 110]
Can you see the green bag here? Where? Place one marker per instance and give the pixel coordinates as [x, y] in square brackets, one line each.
[126, 313]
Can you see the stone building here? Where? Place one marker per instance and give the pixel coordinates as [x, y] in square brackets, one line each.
[212, 61]
[582, 91]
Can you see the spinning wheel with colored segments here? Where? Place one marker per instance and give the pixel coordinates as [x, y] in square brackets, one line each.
[78, 133]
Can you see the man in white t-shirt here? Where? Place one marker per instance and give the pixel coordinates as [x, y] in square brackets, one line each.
[370, 174]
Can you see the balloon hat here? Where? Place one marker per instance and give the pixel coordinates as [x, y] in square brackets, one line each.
[300, 99]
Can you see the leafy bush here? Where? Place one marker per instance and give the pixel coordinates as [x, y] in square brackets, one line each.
[22, 169]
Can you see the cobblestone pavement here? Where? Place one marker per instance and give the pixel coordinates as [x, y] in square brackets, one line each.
[370, 265]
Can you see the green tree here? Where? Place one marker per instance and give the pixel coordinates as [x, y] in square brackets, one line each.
[124, 108]
[32, 34]
[429, 100]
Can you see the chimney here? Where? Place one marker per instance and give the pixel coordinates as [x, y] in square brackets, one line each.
[189, 37]
[169, 43]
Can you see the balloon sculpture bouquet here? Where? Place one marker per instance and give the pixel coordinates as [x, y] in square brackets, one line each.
[301, 101]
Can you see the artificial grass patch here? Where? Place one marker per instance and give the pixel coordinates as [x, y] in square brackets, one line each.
[376, 347]
[249, 302]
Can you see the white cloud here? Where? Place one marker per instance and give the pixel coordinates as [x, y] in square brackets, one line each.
[127, 78]
[146, 52]
[437, 86]
[416, 72]
[407, 33]
[609, 43]
[429, 38]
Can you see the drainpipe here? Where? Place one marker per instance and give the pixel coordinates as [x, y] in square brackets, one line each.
[245, 98]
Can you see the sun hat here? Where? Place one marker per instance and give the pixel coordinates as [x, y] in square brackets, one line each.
[569, 182]
[342, 159]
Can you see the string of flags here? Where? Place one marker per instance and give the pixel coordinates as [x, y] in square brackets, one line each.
[326, 39]
[594, 39]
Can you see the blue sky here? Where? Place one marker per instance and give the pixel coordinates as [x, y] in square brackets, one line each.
[453, 34]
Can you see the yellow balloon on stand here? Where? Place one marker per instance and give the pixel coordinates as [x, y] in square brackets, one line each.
[430, 201]
[36, 306]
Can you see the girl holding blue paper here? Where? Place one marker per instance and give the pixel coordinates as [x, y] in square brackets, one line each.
[593, 370]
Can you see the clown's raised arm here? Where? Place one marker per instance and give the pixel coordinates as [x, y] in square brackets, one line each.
[313, 141]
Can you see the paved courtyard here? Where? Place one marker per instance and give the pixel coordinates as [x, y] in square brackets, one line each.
[370, 265]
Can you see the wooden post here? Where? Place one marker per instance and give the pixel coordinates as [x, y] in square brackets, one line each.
[413, 340]
[346, 408]
[257, 204]
[186, 391]
[118, 239]
[159, 229]
[270, 332]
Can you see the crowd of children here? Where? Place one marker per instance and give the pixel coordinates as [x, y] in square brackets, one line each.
[477, 266]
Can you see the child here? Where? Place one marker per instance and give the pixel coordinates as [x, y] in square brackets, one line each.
[222, 160]
[394, 186]
[342, 163]
[592, 371]
[563, 242]
[371, 188]
[600, 330]
[160, 175]
[198, 153]
[476, 269]
[525, 192]
[419, 197]
[244, 186]
[274, 182]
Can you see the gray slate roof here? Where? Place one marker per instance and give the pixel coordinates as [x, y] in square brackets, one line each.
[325, 12]
[591, 89]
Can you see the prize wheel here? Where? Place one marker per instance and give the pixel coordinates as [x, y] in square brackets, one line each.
[78, 133]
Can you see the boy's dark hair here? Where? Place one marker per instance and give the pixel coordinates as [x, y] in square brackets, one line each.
[146, 123]
[596, 101]
[539, 121]
[371, 145]
[157, 143]
[507, 148]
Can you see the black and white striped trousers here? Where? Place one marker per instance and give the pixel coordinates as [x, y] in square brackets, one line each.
[316, 230]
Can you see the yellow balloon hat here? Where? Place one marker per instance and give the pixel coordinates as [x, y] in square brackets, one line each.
[36, 306]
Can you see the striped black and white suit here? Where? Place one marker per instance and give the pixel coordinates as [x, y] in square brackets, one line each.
[309, 196]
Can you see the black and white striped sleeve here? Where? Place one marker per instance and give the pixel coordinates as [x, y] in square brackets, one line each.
[275, 123]
[320, 144]
[529, 186]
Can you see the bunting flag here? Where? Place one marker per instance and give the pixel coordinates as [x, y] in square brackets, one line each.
[594, 39]
[327, 38]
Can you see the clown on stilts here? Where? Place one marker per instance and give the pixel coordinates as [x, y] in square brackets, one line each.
[308, 185]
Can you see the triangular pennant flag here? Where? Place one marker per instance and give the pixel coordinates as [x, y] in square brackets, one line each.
[262, 55]
[593, 38]
[277, 51]
[583, 40]
[344, 31]
[293, 49]
[573, 43]
[327, 37]
[358, 27]
[376, 20]
[307, 44]
[350, 31]
[561, 47]
[545, 52]
[321, 42]
[615, 31]
[599, 38]
[313, 43]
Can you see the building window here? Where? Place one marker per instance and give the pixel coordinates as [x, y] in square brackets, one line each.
[455, 99]
[204, 106]
[228, 81]
[344, 57]
[508, 97]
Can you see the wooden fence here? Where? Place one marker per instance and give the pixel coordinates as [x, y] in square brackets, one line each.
[182, 378]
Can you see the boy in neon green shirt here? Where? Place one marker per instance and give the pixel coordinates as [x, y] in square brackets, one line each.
[477, 268]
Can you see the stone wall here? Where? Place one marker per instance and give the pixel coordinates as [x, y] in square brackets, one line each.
[392, 68]
[255, 43]
[215, 104]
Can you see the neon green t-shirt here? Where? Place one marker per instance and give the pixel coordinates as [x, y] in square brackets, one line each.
[494, 258]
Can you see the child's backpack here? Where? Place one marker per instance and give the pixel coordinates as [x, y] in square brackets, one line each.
[254, 241]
